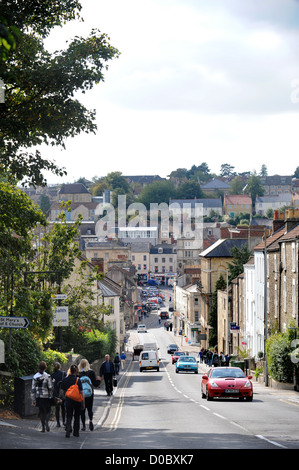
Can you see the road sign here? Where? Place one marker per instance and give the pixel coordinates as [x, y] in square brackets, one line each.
[60, 296]
[14, 322]
[61, 316]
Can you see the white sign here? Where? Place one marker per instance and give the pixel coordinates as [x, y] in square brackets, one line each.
[14, 322]
[60, 296]
[61, 316]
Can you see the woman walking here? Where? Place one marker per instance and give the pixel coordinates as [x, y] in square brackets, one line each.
[57, 378]
[41, 394]
[89, 381]
[73, 408]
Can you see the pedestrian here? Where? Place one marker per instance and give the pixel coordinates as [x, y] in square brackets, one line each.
[57, 378]
[73, 408]
[116, 362]
[123, 358]
[89, 381]
[200, 355]
[215, 359]
[41, 394]
[222, 360]
[209, 357]
[108, 372]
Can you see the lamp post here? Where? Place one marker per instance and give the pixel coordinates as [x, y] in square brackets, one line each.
[265, 312]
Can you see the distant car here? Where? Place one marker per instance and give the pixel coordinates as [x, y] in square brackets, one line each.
[141, 328]
[176, 355]
[224, 382]
[164, 315]
[186, 364]
[171, 348]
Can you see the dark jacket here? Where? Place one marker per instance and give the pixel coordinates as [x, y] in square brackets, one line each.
[103, 368]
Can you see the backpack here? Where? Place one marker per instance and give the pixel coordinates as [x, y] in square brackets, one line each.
[73, 392]
[86, 385]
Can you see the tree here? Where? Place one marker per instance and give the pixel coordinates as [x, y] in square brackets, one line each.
[157, 192]
[39, 98]
[189, 190]
[236, 186]
[213, 314]
[264, 170]
[240, 257]
[254, 187]
[226, 170]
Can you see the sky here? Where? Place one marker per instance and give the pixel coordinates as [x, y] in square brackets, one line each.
[214, 81]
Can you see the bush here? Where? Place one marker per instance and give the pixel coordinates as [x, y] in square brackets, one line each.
[91, 345]
[25, 353]
[279, 361]
[50, 357]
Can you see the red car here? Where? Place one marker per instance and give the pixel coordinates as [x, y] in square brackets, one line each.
[226, 382]
[176, 355]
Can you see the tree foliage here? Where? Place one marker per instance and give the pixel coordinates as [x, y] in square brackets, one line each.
[40, 104]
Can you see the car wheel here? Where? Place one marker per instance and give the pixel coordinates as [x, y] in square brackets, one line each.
[196, 372]
[209, 398]
[176, 371]
[249, 398]
[158, 369]
[141, 369]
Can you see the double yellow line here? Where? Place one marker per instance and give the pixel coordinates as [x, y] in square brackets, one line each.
[116, 419]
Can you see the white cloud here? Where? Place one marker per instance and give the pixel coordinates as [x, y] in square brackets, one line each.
[197, 81]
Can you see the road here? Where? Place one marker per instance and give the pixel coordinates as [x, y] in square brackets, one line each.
[164, 410]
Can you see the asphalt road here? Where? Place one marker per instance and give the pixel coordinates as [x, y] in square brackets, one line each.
[164, 411]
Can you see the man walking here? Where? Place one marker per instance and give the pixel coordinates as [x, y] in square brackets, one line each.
[108, 372]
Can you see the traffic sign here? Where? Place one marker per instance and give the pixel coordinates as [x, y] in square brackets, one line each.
[14, 322]
[61, 316]
[60, 296]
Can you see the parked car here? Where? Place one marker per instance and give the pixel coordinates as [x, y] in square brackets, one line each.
[224, 382]
[176, 355]
[171, 348]
[187, 364]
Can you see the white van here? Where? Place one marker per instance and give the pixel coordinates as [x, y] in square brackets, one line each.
[148, 360]
[141, 328]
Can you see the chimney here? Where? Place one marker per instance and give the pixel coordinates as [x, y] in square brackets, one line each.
[278, 220]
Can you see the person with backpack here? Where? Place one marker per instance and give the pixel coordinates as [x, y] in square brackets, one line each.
[41, 394]
[89, 381]
[74, 403]
[57, 378]
[116, 362]
[215, 359]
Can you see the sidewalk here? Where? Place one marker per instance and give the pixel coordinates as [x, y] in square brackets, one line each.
[101, 406]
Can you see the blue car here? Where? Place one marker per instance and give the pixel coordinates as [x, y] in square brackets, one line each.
[187, 364]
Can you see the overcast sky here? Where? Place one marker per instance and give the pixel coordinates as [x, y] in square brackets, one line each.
[213, 81]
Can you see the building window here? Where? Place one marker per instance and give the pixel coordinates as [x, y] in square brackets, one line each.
[285, 293]
[293, 257]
